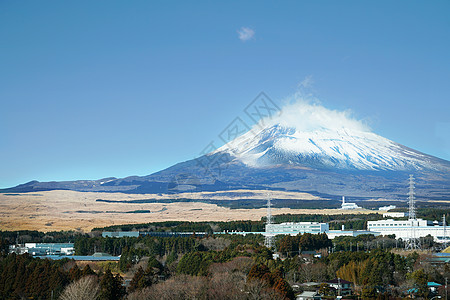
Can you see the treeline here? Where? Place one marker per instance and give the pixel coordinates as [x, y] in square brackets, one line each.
[157, 246]
[148, 245]
[351, 221]
[433, 213]
[22, 276]
[367, 242]
[179, 226]
[25, 277]
[377, 272]
[27, 236]
[294, 245]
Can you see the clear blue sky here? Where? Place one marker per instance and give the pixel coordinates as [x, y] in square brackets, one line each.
[90, 89]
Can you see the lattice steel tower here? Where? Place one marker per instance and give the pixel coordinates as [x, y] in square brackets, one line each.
[412, 207]
[269, 221]
[413, 242]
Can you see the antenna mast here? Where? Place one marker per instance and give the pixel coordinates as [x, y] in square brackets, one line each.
[412, 243]
[269, 221]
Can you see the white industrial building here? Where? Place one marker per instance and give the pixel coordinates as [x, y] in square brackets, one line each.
[347, 205]
[293, 228]
[120, 234]
[395, 214]
[387, 208]
[404, 228]
[43, 249]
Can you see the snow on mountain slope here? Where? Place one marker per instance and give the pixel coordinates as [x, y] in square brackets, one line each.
[313, 136]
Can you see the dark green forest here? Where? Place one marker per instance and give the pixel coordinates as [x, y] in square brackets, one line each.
[221, 266]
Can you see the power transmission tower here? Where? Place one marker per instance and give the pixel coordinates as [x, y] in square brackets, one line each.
[269, 221]
[413, 242]
[444, 223]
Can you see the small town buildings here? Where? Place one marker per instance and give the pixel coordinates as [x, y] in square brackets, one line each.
[307, 295]
[433, 286]
[343, 287]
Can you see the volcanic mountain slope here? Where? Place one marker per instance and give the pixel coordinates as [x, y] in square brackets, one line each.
[306, 148]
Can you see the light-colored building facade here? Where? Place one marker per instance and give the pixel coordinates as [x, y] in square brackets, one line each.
[395, 214]
[294, 228]
[404, 229]
[387, 208]
[347, 205]
[119, 234]
[43, 249]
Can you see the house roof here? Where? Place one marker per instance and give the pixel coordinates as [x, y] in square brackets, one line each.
[432, 284]
[307, 294]
[310, 283]
[341, 281]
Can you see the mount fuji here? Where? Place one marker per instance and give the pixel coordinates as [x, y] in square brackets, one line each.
[305, 148]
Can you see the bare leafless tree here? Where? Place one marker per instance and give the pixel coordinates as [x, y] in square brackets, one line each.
[259, 290]
[86, 288]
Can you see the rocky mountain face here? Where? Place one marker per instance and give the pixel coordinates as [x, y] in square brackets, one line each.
[326, 159]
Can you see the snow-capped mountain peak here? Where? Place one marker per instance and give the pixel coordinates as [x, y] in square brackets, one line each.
[312, 136]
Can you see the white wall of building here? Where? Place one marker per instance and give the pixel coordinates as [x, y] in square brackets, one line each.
[294, 228]
[403, 229]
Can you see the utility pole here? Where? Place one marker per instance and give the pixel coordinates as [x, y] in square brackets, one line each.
[446, 288]
[339, 286]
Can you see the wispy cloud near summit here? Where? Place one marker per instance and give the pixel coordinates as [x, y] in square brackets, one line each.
[246, 34]
[309, 115]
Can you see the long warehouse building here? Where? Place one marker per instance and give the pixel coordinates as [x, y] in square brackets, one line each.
[404, 229]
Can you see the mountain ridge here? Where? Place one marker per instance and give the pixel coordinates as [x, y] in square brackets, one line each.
[303, 149]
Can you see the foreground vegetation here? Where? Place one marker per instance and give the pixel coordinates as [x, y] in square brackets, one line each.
[219, 266]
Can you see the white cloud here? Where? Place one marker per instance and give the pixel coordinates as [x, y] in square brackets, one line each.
[309, 115]
[245, 34]
[307, 82]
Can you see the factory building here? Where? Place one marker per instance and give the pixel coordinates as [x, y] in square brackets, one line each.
[43, 248]
[403, 229]
[291, 228]
[119, 234]
[395, 214]
[348, 205]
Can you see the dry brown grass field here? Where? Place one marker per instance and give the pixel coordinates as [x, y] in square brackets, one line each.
[69, 210]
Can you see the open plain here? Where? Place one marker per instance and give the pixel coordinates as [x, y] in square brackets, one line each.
[80, 211]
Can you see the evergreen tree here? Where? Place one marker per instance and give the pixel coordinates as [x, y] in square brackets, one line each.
[111, 287]
[87, 271]
[74, 273]
[138, 280]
